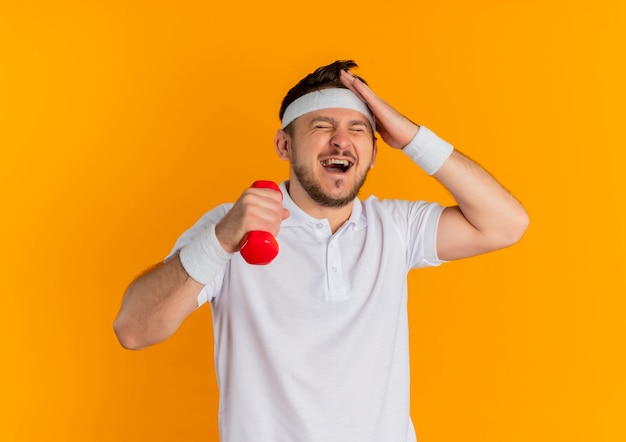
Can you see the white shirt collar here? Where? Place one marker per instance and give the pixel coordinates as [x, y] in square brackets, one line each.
[298, 217]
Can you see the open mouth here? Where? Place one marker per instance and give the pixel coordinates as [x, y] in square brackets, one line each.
[336, 165]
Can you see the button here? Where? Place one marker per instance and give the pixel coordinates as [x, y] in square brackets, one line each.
[334, 269]
[332, 245]
[319, 225]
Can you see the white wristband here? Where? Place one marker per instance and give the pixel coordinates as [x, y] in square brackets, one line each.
[428, 150]
[204, 257]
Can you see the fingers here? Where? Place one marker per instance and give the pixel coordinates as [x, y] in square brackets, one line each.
[359, 88]
[378, 106]
[256, 209]
[348, 79]
[395, 129]
[262, 209]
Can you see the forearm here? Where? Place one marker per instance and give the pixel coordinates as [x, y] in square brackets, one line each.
[484, 202]
[487, 217]
[155, 304]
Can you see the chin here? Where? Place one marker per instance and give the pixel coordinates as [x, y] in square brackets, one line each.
[335, 198]
[337, 191]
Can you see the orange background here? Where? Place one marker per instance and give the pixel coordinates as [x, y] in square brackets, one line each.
[122, 122]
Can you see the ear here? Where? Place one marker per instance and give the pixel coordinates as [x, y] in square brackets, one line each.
[282, 143]
[374, 152]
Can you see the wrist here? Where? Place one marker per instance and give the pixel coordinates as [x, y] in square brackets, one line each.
[221, 234]
[204, 256]
[428, 151]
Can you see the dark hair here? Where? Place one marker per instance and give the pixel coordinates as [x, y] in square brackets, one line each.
[325, 77]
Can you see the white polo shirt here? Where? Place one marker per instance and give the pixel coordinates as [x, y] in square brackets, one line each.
[313, 347]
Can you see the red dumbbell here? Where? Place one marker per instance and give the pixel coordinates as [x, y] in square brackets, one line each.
[258, 247]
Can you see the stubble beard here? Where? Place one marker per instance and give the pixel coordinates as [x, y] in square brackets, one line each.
[315, 192]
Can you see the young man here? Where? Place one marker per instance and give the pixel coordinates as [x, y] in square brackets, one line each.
[314, 346]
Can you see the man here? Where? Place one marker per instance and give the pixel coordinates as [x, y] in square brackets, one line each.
[314, 345]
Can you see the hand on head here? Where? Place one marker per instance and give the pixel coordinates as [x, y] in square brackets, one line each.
[395, 129]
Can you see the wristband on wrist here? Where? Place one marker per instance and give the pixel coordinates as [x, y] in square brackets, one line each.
[204, 257]
[428, 150]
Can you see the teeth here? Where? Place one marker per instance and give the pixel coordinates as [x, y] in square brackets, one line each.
[330, 161]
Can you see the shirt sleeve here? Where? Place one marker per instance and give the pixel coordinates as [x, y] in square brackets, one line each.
[416, 223]
[209, 219]
[425, 234]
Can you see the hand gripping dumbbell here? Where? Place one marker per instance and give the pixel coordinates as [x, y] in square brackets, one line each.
[258, 247]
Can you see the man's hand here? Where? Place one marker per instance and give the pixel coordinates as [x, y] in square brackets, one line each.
[395, 129]
[256, 209]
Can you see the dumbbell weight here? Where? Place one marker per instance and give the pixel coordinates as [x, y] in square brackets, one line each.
[258, 247]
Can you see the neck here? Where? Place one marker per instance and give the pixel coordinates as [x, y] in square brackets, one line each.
[336, 216]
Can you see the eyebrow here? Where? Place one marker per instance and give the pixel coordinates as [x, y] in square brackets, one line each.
[357, 123]
[331, 120]
[322, 119]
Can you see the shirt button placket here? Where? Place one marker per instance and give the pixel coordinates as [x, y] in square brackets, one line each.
[336, 283]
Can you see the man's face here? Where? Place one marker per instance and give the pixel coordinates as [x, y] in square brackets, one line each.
[330, 152]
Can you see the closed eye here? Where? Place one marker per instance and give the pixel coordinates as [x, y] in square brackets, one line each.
[358, 126]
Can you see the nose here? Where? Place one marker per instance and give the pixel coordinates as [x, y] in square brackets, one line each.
[341, 139]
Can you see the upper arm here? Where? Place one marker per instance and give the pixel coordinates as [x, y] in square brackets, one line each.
[457, 238]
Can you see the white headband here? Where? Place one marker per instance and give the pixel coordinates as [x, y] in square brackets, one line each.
[326, 99]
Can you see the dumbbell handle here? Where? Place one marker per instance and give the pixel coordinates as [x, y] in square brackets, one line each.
[258, 247]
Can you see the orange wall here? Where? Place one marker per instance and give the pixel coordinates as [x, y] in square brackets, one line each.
[122, 122]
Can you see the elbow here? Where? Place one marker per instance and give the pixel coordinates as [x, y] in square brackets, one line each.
[133, 334]
[515, 229]
[510, 231]
[522, 223]
[126, 337]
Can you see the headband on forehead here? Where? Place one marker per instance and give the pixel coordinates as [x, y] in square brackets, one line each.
[326, 99]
